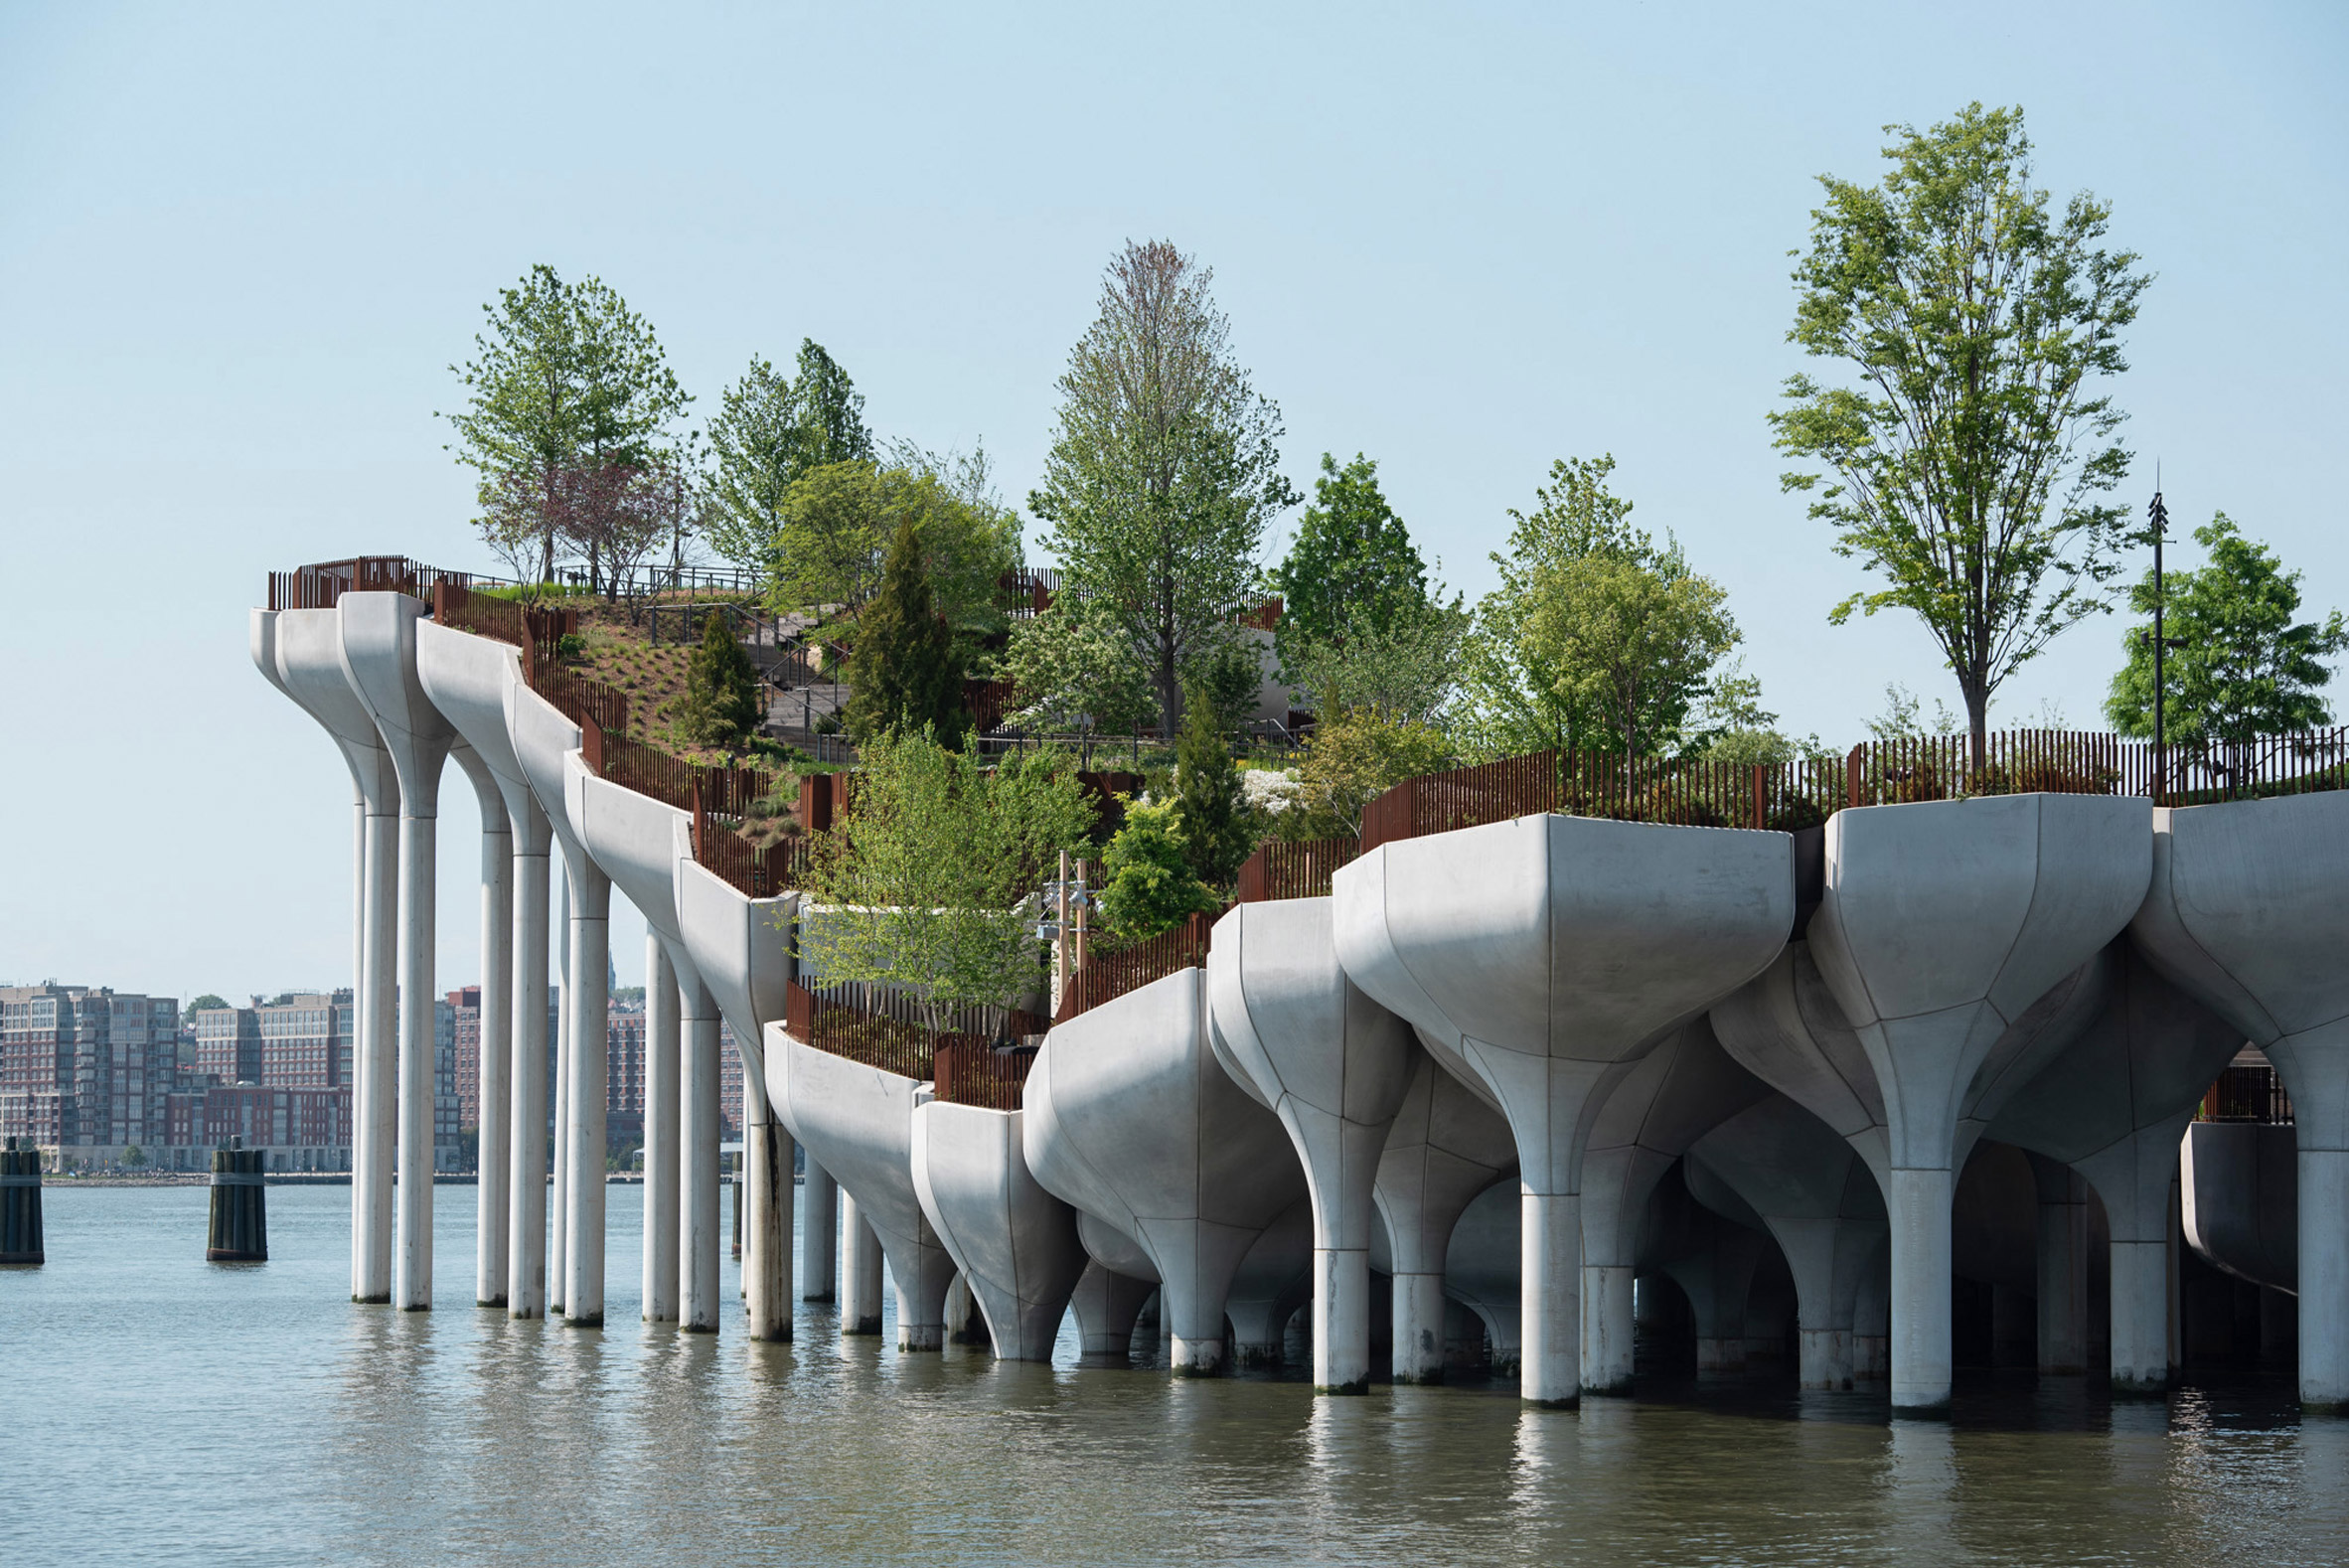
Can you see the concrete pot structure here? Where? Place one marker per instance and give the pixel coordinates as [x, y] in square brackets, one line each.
[1541, 957]
[1333, 1066]
[1015, 1243]
[1940, 924]
[1448, 1142]
[300, 652]
[1131, 1121]
[2246, 915]
[1484, 1270]
[859, 1121]
[1822, 1205]
[2240, 1206]
[1668, 1100]
[2113, 1107]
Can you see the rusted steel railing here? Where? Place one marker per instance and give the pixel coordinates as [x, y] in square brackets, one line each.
[2246, 1094]
[1294, 870]
[319, 585]
[1588, 784]
[1107, 975]
[890, 1031]
[970, 1073]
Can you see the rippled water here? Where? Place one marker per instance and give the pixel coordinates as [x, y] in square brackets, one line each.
[157, 1408]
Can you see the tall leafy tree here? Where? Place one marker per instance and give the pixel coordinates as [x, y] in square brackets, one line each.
[902, 671]
[2240, 665]
[1353, 563]
[565, 377]
[770, 431]
[1072, 669]
[839, 521]
[1212, 813]
[1632, 642]
[1966, 462]
[1165, 466]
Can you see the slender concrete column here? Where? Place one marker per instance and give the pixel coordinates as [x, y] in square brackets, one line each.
[376, 1097]
[1106, 1303]
[767, 1224]
[2063, 1268]
[662, 1126]
[1447, 1144]
[698, 1235]
[819, 1264]
[560, 1191]
[525, 1281]
[588, 1001]
[493, 1063]
[411, 1285]
[861, 1270]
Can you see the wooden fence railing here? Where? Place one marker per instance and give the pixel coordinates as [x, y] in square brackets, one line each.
[1105, 976]
[892, 1032]
[1294, 870]
[2246, 1094]
[319, 585]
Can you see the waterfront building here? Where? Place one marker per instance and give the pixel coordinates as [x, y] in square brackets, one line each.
[624, 1075]
[305, 1039]
[229, 1043]
[84, 1071]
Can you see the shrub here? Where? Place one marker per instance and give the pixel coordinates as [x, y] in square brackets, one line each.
[722, 704]
[1149, 887]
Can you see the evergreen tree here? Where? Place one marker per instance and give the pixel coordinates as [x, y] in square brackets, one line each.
[1210, 806]
[904, 670]
[1148, 884]
[723, 707]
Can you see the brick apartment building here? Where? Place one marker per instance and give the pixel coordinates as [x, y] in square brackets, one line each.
[83, 1071]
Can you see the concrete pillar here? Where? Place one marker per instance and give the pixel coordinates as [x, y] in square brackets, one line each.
[525, 1283]
[766, 1221]
[1446, 1146]
[376, 1082]
[699, 1237]
[861, 1272]
[586, 1000]
[1550, 1371]
[662, 1124]
[1419, 1328]
[2325, 1260]
[1107, 1305]
[1919, 1204]
[411, 1285]
[819, 1264]
[2063, 1268]
[493, 1062]
[559, 1190]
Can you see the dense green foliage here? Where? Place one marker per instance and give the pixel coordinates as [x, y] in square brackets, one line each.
[1629, 643]
[1967, 462]
[1074, 670]
[1212, 813]
[838, 523]
[2239, 666]
[903, 667]
[1352, 565]
[1149, 885]
[771, 430]
[1164, 469]
[930, 877]
[1353, 756]
[723, 705]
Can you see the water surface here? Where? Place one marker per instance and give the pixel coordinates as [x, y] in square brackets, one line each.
[156, 1408]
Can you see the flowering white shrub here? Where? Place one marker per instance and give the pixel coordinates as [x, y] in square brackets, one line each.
[1269, 790]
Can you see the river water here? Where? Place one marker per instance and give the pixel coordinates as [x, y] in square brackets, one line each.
[155, 1408]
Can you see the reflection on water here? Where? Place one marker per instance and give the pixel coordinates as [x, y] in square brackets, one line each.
[158, 1408]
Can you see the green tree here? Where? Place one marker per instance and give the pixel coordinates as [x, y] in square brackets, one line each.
[930, 880]
[206, 1003]
[2240, 666]
[903, 670]
[1165, 466]
[839, 521]
[564, 376]
[1212, 813]
[1408, 670]
[1149, 885]
[771, 430]
[1072, 668]
[1353, 564]
[723, 705]
[1968, 460]
[1631, 643]
[1510, 699]
[1353, 756]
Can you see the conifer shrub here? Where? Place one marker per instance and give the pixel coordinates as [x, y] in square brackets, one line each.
[722, 706]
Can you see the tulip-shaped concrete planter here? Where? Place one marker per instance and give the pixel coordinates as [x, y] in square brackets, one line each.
[1015, 1243]
[1668, 1100]
[859, 1121]
[301, 652]
[1129, 1118]
[2113, 1106]
[1543, 956]
[1448, 1142]
[2247, 914]
[1822, 1207]
[2241, 1205]
[379, 638]
[1942, 922]
[1706, 1239]
[1333, 1066]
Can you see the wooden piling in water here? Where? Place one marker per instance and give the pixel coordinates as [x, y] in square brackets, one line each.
[239, 1224]
[20, 1207]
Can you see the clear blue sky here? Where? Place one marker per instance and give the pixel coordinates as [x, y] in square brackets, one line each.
[240, 246]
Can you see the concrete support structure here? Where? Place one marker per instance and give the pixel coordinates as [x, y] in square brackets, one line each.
[1670, 1097]
[861, 1270]
[1129, 1119]
[1107, 1305]
[301, 652]
[1942, 923]
[1448, 1141]
[586, 996]
[495, 1044]
[1542, 956]
[1015, 1243]
[1333, 1066]
[2246, 915]
[526, 1280]
[662, 1216]
[379, 645]
[818, 1260]
[701, 1237]
[2062, 1297]
[2240, 1206]
[558, 1173]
